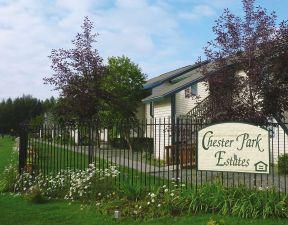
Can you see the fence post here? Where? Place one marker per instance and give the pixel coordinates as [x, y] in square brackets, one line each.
[177, 128]
[23, 145]
[90, 154]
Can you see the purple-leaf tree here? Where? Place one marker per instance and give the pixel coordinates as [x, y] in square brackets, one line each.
[78, 76]
[249, 55]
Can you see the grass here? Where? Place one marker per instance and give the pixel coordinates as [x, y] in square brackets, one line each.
[52, 158]
[16, 210]
[6, 146]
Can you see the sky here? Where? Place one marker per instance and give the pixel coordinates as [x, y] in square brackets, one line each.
[158, 35]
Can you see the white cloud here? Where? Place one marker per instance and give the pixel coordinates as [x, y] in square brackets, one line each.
[147, 32]
[198, 12]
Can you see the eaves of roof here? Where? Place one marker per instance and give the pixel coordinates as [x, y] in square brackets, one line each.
[192, 77]
[156, 81]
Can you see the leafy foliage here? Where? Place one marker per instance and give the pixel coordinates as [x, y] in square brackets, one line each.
[35, 196]
[89, 89]
[125, 80]
[20, 110]
[99, 187]
[133, 192]
[78, 76]
[137, 144]
[283, 164]
[81, 185]
[255, 45]
[8, 178]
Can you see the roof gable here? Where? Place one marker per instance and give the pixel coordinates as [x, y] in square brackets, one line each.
[156, 81]
[192, 77]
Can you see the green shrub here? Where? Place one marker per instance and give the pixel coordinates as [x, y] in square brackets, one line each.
[133, 192]
[142, 144]
[9, 178]
[138, 144]
[211, 198]
[100, 187]
[213, 221]
[283, 164]
[119, 143]
[238, 201]
[35, 196]
[83, 185]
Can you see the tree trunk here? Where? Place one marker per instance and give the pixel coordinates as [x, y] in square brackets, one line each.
[126, 136]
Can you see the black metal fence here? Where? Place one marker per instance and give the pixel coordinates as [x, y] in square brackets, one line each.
[147, 153]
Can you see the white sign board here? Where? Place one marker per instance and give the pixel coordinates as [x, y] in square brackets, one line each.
[233, 147]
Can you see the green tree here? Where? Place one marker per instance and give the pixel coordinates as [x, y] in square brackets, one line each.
[25, 109]
[124, 80]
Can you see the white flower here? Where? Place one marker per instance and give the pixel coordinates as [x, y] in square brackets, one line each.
[152, 195]
[166, 190]
[159, 205]
[172, 194]
[148, 203]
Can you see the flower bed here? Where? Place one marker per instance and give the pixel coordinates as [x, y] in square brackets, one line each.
[100, 187]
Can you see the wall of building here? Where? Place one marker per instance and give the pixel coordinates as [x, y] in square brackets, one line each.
[279, 143]
[149, 131]
[161, 132]
[162, 128]
[184, 105]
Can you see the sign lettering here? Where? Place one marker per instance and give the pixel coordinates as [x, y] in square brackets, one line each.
[233, 147]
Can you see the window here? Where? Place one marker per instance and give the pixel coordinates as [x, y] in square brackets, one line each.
[192, 91]
[187, 92]
[151, 109]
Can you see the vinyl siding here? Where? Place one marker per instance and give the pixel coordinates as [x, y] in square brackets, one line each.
[279, 143]
[184, 105]
[162, 114]
[149, 131]
[162, 109]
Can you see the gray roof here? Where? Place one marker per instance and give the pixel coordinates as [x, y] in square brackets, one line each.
[156, 81]
[191, 77]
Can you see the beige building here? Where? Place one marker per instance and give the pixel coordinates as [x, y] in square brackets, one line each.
[184, 92]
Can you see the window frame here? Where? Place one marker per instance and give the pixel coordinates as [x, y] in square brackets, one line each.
[194, 89]
[191, 91]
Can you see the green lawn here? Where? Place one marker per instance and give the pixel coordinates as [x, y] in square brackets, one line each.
[6, 145]
[52, 158]
[16, 210]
